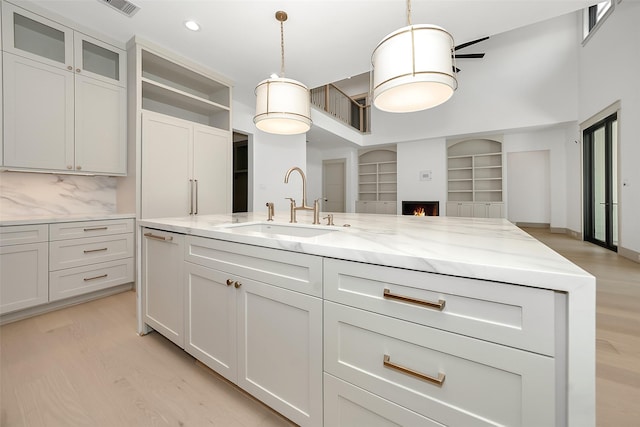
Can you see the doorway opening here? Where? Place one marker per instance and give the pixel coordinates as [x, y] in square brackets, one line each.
[240, 172]
[601, 183]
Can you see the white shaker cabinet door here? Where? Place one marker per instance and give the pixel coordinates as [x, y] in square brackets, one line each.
[24, 280]
[101, 127]
[280, 350]
[211, 170]
[38, 115]
[166, 166]
[162, 283]
[210, 325]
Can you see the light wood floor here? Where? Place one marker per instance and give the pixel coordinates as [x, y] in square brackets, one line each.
[86, 366]
[617, 326]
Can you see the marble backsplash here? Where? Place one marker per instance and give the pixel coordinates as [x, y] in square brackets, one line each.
[39, 194]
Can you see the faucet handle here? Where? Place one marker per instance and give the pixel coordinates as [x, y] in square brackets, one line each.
[293, 201]
[329, 219]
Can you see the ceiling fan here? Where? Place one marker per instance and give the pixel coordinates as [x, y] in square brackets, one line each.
[468, 55]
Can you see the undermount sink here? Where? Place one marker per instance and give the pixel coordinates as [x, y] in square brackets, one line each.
[280, 229]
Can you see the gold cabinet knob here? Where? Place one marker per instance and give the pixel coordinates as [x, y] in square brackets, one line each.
[237, 284]
[69, 167]
[77, 70]
[78, 167]
[229, 282]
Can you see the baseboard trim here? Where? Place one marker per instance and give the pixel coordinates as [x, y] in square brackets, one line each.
[629, 254]
[56, 305]
[532, 224]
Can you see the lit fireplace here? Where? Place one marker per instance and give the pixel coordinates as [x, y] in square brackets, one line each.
[420, 208]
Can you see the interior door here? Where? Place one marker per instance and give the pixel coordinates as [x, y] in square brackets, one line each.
[601, 184]
[333, 185]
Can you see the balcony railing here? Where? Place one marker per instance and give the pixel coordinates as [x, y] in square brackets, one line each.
[341, 106]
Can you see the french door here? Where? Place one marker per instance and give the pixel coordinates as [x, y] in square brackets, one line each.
[601, 183]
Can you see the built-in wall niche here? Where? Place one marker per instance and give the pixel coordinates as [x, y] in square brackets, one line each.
[377, 181]
[474, 169]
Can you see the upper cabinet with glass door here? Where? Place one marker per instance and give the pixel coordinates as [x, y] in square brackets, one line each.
[35, 37]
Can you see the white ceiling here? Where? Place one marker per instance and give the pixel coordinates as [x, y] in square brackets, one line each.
[325, 40]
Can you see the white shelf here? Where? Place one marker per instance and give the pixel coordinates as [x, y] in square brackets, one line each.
[476, 164]
[377, 174]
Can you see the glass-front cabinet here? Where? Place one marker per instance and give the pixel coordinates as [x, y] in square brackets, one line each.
[35, 37]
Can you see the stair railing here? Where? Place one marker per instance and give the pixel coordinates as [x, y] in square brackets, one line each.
[340, 105]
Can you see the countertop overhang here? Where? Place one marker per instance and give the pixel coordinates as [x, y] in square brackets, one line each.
[489, 249]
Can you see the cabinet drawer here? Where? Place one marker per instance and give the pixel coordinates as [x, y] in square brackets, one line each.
[18, 234]
[74, 230]
[516, 316]
[80, 280]
[483, 383]
[290, 270]
[346, 405]
[91, 250]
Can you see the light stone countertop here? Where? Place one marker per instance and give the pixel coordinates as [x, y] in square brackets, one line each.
[490, 249]
[48, 219]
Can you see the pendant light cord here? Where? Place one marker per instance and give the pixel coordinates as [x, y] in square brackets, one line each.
[281, 48]
[409, 12]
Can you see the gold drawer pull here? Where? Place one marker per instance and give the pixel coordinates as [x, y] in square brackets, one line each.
[96, 228]
[437, 381]
[437, 305]
[153, 236]
[229, 282]
[88, 251]
[94, 278]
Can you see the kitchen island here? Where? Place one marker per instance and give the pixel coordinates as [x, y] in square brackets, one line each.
[419, 320]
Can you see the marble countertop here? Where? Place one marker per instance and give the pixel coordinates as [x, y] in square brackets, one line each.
[491, 249]
[48, 219]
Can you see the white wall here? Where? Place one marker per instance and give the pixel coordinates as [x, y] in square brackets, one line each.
[529, 195]
[417, 156]
[272, 155]
[316, 154]
[554, 141]
[609, 68]
[528, 78]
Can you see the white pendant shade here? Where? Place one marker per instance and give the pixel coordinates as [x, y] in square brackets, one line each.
[282, 106]
[413, 69]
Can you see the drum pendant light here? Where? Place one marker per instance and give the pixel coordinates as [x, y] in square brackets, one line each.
[282, 105]
[413, 68]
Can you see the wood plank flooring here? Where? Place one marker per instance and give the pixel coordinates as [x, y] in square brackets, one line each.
[617, 326]
[86, 366]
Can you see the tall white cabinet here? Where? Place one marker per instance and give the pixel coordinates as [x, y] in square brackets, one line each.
[186, 167]
[182, 127]
[72, 86]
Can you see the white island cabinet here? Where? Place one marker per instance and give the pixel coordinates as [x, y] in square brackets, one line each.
[409, 322]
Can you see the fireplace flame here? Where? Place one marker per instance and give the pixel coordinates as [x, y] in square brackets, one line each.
[419, 211]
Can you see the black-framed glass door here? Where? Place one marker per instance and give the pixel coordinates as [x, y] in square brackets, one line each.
[601, 183]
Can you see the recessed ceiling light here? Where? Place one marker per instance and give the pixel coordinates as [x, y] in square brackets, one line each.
[192, 25]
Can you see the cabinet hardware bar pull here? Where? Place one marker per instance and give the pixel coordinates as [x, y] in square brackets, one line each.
[96, 228]
[196, 211]
[88, 251]
[94, 278]
[430, 304]
[229, 282]
[190, 197]
[153, 236]
[437, 381]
